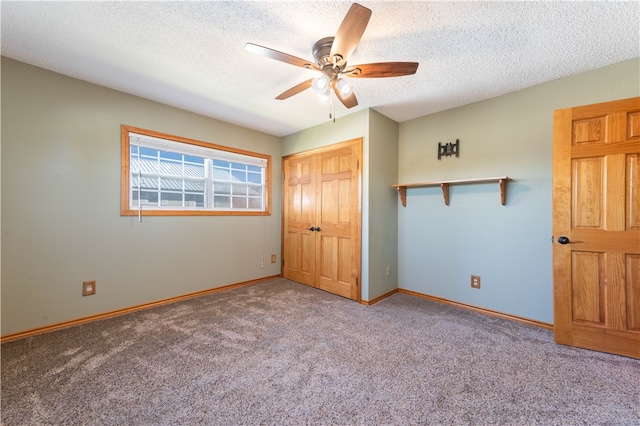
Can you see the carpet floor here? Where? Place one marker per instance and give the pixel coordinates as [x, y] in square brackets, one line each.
[283, 353]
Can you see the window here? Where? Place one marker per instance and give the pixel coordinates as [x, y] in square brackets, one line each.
[170, 175]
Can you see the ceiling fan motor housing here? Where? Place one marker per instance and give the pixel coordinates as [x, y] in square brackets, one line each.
[321, 54]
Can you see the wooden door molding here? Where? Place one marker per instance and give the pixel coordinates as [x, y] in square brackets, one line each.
[322, 215]
[596, 199]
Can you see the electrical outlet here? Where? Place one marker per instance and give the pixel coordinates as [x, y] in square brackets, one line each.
[89, 288]
[273, 258]
[388, 271]
[475, 281]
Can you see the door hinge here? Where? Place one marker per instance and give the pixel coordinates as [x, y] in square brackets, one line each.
[283, 262]
[357, 164]
[357, 282]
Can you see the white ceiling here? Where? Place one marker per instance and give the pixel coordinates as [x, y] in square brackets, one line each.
[191, 54]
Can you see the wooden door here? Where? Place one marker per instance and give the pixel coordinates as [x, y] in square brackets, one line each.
[338, 221]
[298, 223]
[321, 221]
[596, 226]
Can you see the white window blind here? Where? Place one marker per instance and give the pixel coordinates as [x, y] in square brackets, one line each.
[200, 151]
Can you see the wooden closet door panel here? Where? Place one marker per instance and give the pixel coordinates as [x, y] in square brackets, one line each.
[338, 217]
[299, 194]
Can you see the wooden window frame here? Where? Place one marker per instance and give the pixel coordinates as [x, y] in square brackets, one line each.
[127, 210]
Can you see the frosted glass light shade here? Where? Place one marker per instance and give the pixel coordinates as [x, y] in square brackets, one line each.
[325, 99]
[344, 87]
[321, 84]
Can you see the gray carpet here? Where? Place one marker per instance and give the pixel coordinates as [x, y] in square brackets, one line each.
[283, 353]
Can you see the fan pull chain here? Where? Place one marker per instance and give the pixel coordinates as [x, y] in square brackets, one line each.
[330, 107]
[333, 105]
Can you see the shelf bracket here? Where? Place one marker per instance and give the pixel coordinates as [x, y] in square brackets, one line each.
[402, 192]
[445, 192]
[503, 191]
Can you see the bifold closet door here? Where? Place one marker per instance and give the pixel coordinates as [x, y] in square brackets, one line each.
[322, 216]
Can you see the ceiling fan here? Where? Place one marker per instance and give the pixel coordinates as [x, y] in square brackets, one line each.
[331, 55]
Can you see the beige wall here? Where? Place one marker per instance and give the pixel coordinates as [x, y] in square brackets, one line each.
[440, 247]
[61, 222]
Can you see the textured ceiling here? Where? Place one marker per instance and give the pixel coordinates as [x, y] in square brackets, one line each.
[191, 54]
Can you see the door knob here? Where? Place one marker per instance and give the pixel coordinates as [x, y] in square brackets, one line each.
[563, 240]
[311, 229]
[317, 229]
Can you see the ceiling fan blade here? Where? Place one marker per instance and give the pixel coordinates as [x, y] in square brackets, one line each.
[348, 101]
[279, 56]
[381, 69]
[295, 90]
[350, 32]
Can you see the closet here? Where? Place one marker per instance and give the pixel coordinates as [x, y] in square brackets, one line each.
[321, 230]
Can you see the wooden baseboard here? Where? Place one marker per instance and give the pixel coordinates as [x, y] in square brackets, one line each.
[502, 315]
[379, 298]
[66, 324]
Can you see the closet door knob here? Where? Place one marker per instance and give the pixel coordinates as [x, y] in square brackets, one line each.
[317, 229]
[311, 229]
[563, 240]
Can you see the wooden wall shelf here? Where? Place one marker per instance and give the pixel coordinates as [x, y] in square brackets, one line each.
[444, 185]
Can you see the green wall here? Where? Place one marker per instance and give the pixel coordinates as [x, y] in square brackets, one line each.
[440, 247]
[61, 222]
[383, 199]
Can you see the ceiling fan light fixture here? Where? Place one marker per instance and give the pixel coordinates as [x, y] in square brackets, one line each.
[325, 99]
[331, 55]
[321, 84]
[344, 87]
